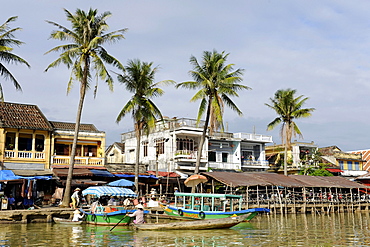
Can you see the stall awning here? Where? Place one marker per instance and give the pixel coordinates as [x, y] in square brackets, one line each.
[76, 172]
[165, 174]
[6, 175]
[102, 173]
[108, 191]
[334, 170]
[122, 182]
[124, 175]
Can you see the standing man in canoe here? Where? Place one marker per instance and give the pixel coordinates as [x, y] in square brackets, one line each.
[75, 198]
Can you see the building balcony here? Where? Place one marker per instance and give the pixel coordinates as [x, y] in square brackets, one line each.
[253, 137]
[79, 161]
[24, 155]
[255, 164]
[190, 167]
[188, 156]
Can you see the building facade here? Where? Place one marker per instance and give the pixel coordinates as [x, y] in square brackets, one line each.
[173, 146]
[298, 157]
[350, 164]
[28, 141]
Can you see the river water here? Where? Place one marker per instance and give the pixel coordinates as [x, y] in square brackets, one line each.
[337, 229]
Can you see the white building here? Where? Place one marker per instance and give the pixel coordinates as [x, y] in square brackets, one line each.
[173, 144]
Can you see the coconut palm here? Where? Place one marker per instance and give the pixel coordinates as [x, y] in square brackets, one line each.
[216, 81]
[84, 54]
[288, 108]
[139, 80]
[7, 41]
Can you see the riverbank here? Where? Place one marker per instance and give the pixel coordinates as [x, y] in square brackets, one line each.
[41, 215]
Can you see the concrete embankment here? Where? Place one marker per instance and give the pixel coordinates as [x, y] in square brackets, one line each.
[34, 216]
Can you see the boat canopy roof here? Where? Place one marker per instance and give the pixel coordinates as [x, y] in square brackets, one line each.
[208, 195]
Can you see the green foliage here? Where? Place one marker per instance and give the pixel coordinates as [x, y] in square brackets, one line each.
[7, 42]
[216, 81]
[321, 172]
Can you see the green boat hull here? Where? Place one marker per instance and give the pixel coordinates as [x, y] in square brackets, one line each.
[108, 219]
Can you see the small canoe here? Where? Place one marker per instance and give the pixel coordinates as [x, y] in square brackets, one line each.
[66, 221]
[194, 224]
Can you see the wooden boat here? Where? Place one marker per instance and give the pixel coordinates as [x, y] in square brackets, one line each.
[66, 221]
[210, 206]
[194, 224]
[108, 215]
[108, 218]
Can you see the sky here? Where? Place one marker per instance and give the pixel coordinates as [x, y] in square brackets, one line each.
[320, 48]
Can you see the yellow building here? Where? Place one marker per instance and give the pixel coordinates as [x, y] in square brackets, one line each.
[90, 151]
[28, 141]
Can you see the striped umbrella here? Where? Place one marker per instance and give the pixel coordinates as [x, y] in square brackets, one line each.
[108, 191]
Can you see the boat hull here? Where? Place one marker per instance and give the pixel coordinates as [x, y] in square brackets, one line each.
[66, 221]
[108, 219]
[202, 215]
[195, 224]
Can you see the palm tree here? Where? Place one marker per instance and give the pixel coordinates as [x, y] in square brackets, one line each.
[288, 108]
[84, 54]
[216, 81]
[139, 80]
[6, 42]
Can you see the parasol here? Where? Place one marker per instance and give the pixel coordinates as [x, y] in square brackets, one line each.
[122, 183]
[194, 180]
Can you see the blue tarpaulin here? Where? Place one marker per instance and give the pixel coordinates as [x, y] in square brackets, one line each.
[108, 191]
[9, 175]
[121, 182]
[102, 173]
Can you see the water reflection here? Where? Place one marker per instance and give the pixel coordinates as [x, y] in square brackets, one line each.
[342, 229]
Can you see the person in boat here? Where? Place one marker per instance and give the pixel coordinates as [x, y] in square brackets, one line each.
[111, 201]
[138, 214]
[75, 198]
[77, 216]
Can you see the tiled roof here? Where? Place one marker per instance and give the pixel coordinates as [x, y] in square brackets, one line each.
[120, 145]
[71, 126]
[22, 116]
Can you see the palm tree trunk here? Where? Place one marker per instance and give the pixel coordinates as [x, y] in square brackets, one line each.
[67, 191]
[201, 143]
[202, 140]
[285, 160]
[137, 159]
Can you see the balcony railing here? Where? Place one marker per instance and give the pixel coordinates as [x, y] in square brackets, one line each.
[79, 161]
[253, 137]
[188, 155]
[13, 154]
[246, 163]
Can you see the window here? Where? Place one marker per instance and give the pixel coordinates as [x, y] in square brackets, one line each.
[349, 165]
[10, 141]
[357, 166]
[61, 149]
[90, 151]
[212, 156]
[159, 144]
[184, 144]
[224, 157]
[39, 142]
[341, 165]
[25, 142]
[145, 148]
